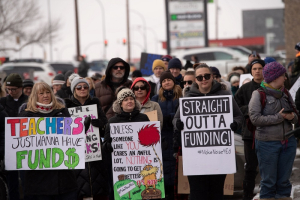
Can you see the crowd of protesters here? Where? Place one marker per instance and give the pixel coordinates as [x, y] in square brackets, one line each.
[263, 111]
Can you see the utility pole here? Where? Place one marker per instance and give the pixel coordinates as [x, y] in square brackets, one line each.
[128, 31]
[205, 23]
[217, 10]
[77, 31]
[168, 28]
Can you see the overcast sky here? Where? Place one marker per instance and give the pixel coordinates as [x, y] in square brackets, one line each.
[91, 26]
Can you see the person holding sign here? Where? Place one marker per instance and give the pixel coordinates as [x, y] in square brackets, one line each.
[275, 152]
[142, 89]
[168, 98]
[206, 186]
[46, 184]
[93, 180]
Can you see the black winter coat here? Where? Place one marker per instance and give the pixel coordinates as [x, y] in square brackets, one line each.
[297, 99]
[11, 106]
[3, 114]
[65, 92]
[49, 182]
[93, 180]
[242, 98]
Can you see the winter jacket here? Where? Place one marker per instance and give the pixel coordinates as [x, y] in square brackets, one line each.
[242, 98]
[179, 81]
[297, 99]
[83, 69]
[49, 182]
[105, 90]
[270, 125]
[168, 108]
[216, 90]
[65, 92]
[93, 180]
[11, 106]
[3, 114]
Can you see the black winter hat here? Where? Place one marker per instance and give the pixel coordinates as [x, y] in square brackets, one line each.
[67, 74]
[28, 83]
[255, 61]
[165, 75]
[175, 63]
[14, 80]
[297, 46]
[59, 79]
[136, 73]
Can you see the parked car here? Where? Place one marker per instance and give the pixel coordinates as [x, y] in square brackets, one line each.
[63, 67]
[97, 66]
[221, 57]
[42, 72]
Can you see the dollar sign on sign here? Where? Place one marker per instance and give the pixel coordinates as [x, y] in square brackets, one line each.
[73, 158]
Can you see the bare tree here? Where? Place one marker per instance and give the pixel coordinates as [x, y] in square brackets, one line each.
[19, 19]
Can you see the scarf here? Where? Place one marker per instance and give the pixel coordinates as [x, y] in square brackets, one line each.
[44, 108]
[156, 80]
[178, 78]
[168, 94]
[277, 93]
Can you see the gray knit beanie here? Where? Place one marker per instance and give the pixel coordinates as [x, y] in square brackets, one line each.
[76, 80]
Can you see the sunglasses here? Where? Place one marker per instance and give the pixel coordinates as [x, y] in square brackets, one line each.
[187, 82]
[79, 87]
[136, 88]
[206, 76]
[117, 67]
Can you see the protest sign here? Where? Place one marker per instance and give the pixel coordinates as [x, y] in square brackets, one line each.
[92, 139]
[146, 63]
[137, 161]
[207, 140]
[245, 78]
[295, 88]
[152, 115]
[44, 143]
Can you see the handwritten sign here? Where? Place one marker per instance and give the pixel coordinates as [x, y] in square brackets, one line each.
[44, 143]
[245, 78]
[207, 140]
[137, 160]
[147, 62]
[92, 140]
[295, 88]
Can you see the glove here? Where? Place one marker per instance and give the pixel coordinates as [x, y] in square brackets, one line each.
[233, 126]
[87, 122]
[96, 122]
[107, 145]
[164, 144]
[179, 125]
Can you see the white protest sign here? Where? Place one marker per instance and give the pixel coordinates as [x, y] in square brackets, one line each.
[295, 88]
[244, 78]
[137, 160]
[44, 143]
[207, 140]
[92, 140]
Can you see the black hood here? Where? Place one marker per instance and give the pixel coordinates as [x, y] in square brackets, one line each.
[111, 63]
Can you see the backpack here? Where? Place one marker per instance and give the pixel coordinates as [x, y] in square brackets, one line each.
[262, 93]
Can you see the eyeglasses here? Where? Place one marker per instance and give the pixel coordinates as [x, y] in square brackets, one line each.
[117, 67]
[206, 76]
[79, 87]
[12, 89]
[188, 82]
[136, 88]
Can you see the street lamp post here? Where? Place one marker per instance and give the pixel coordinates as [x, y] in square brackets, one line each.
[103, 28]
[144, 26]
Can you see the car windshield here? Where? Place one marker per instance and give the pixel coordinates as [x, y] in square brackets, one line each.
[98, 65]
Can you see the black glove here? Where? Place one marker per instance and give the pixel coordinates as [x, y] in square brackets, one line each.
[164, 144]
[233, 126]
[96, 122]
[107, 145]
[87, 122]
[179, 125]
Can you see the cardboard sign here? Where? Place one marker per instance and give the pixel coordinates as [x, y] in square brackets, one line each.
[92, 139]
[152, 115]
[44, 143]
[137, 161]
[207, 139]
[244, 78]
[146, 63]
[295, 88]
[184, 186]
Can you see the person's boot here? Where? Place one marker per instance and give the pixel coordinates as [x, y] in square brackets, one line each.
[248, 187]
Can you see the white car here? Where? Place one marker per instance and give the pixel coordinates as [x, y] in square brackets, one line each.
[42, 72]
[221, 57]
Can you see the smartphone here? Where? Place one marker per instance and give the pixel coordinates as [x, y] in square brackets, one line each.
[254, 53]
[287, 111]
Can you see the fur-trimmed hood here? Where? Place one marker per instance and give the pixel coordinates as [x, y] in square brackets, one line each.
[118, 110]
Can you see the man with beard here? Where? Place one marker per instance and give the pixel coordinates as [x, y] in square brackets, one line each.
[242, 98]
[117, 73]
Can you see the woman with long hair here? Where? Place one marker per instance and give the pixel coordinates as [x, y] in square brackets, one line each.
[208, 187]
[168, 98]
[93, 180]
[92, 86]
[48, 184]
